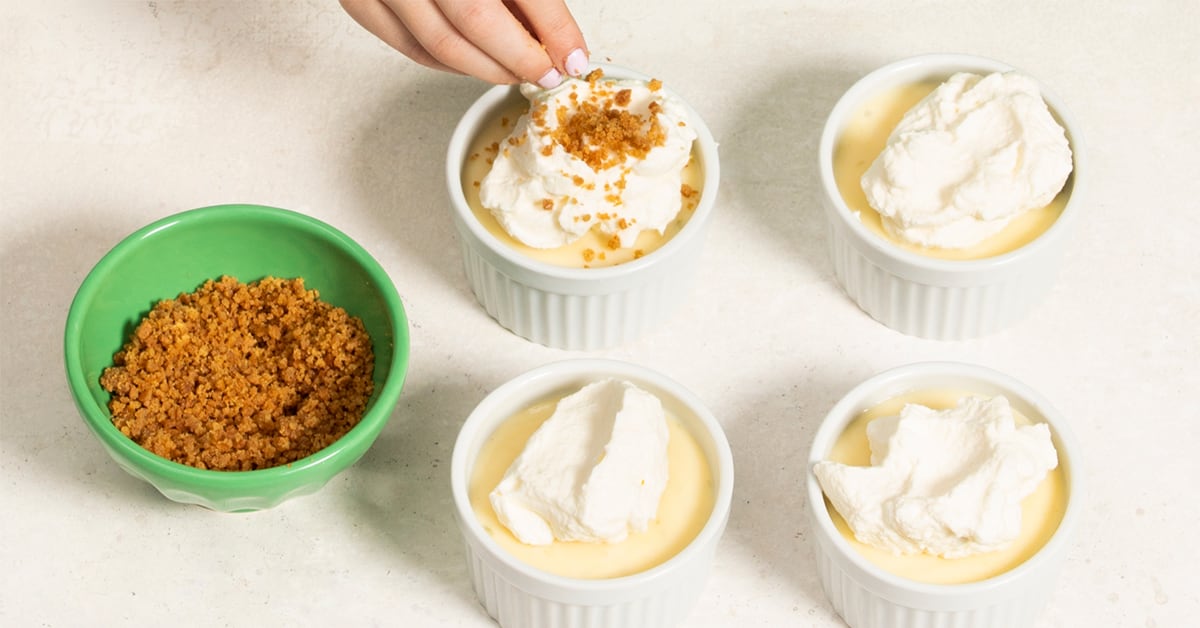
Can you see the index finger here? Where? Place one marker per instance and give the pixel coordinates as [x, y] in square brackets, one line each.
[495, 30]
[552, 24]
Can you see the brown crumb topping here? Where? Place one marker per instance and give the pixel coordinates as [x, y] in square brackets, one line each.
[603, 135]
[538, 114]
[241, 376]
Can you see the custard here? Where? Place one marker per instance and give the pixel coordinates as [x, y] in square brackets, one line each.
[1041, 511]
[685, 507]
[864, 138]
[593, 249]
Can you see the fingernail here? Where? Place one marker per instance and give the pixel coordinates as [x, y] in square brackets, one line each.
[577, 62]
[551, 78]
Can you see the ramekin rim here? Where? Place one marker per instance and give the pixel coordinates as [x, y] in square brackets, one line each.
[706, 147]
[596, 367]
[880, 249]
[829, 428]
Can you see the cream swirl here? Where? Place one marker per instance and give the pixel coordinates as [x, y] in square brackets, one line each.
[967, 159]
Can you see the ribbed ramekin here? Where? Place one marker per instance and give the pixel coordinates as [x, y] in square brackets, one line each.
[925, 296]
[576, 308]
[520, 596]
[867, 596]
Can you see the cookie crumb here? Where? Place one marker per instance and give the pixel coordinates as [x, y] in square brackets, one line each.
[237, 377]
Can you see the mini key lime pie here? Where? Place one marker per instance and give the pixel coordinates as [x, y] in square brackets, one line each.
[593, 173]
[591, 493]
[950, 183]
[601, 483]
[582, 210]
[944, 487]
[969, 168]
[942, 494]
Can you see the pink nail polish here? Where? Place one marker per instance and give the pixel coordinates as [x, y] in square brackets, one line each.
[577, 62]
[552, 78]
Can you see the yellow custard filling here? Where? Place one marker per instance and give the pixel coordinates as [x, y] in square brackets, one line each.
[865, 137]
[686, 504]
[1041, 511]
[592, 250]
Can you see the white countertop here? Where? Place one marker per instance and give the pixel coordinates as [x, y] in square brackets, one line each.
[114, 114]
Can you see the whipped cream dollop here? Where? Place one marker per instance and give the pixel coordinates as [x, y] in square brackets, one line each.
[590, 152]
[948, 482]
[593, 472]
[967, 159]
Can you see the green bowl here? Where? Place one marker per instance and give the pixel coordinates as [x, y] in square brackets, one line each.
[178, 254]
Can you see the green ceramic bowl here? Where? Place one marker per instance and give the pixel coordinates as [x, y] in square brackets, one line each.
[249, 242]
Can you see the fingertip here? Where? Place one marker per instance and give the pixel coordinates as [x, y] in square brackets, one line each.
[576, 63]
[553, 26]
[551, 79]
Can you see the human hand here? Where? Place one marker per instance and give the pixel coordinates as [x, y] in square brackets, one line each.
[499, 41]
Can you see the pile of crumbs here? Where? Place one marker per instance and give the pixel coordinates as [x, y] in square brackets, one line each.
[237, 377]
[600, 133]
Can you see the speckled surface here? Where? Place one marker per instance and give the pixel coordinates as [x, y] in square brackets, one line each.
[114, 114]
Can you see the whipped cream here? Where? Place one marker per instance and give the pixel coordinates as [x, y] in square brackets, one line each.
[594, 471]
[948, 483]
[967, 159]
[590, 152]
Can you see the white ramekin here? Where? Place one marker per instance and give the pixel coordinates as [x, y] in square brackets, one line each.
[576, 308]
[867, 596]
[924, 296]
[520, 596]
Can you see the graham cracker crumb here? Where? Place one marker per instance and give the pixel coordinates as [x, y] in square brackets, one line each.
[602, 133]
[238, 376]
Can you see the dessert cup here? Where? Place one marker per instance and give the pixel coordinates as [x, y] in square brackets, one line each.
[925, 296]
[518, 595]
[576, 308]
[867, 596]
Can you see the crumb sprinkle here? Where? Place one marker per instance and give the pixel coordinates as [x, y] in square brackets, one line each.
[601, 132]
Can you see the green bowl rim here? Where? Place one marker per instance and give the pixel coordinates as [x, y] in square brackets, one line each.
[98, 419]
